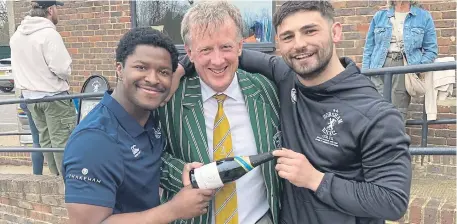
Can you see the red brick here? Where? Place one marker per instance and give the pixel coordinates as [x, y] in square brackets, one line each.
[4, 200]
[415, 210]
[431, 211]
[445, 23]
[447, 32]
[438, 126]
[443, 41]
[363, 27]
[448, 214]
[451, 142]
[95, 39]
[339, 4]
[65, 34]
[356, 4]
[73, 50]
[436, 15]
[449, 15]
[41, 208]
[125, 19]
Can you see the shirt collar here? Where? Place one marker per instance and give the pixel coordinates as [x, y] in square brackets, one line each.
[233, 90]
[129, 123]
[412, 10]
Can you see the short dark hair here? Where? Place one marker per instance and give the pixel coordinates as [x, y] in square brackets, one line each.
[145, 36]
[291, 7]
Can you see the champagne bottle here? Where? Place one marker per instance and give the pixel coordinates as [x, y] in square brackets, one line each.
[216, 174]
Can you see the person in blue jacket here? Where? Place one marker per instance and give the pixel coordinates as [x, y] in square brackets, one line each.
[403, 30]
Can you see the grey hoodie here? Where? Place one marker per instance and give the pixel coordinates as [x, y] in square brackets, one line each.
[40, 62]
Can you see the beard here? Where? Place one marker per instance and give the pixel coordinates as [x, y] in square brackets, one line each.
[315, 66]
[54, 19]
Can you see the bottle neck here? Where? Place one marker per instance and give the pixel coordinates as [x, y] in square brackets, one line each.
[261, 158]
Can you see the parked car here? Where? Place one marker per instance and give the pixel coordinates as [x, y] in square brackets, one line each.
[6, 75]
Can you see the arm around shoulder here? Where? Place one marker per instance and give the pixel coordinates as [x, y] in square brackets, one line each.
[271, 66]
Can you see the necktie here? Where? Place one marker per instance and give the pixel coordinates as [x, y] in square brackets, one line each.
[226, 199]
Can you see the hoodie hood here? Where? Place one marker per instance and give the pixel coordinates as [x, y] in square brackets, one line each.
[33, 24]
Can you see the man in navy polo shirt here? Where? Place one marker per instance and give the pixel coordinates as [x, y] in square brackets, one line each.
[112, 160]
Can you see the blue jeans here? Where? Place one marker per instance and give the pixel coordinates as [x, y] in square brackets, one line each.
[37, 157]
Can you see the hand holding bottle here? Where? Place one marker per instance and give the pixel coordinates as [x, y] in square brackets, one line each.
[189, 202]
[296, 168]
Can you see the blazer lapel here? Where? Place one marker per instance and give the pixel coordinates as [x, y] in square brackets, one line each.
[193, 121]
[259, 112]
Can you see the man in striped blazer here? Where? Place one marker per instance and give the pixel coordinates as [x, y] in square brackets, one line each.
[220, 111]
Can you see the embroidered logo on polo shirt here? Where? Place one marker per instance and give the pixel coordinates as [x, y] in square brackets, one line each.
[157, 132]
[135, 150]
[84, 177]
[328, 132]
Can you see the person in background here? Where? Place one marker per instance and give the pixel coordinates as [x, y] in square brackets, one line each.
[112, 162]
[401, 31]
[37, 157]
[42, 67]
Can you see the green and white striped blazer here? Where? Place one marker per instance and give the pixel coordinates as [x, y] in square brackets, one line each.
[183, 124]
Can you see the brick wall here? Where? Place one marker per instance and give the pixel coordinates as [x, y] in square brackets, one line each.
[32, 199]
[428, 211]
[40, 200]
[91, 30]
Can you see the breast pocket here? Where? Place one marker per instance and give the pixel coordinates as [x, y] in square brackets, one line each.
[417, 36]
[379, 34]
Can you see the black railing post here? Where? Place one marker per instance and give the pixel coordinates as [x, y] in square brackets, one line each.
[387, 91]
[424, 134]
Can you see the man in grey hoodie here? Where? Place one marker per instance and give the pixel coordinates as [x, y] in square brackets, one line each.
[41, 66]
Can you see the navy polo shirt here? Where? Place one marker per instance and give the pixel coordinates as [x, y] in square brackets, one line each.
[110, 160]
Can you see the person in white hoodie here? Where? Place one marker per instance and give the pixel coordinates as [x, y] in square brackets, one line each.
[42, 67]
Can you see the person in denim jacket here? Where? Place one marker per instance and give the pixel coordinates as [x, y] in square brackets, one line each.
[417, 42]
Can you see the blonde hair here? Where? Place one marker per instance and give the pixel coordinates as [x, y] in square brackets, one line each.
[206, 14]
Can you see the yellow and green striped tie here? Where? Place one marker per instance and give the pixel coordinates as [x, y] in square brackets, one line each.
[226, 199]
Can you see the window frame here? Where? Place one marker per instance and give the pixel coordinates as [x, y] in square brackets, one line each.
[269, 47]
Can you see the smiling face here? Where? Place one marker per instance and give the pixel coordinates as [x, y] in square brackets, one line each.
[215, 53]
[146, 76]
[306, 42]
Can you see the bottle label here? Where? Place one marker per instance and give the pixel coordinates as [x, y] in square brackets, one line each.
[244, 162]
[207, 177]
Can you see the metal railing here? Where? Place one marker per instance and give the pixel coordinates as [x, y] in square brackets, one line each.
[387, 93]
[387, 72]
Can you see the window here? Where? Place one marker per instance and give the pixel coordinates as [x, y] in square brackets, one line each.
[166, 16]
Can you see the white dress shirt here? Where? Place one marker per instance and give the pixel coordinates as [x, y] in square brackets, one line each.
[250, 189]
